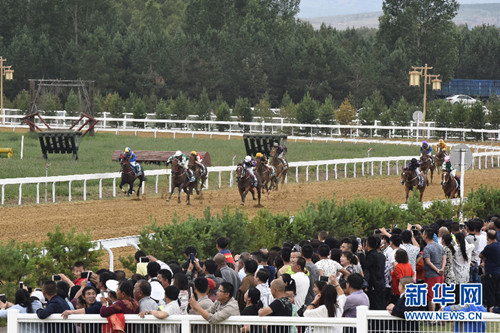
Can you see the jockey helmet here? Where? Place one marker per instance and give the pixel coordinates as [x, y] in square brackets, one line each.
[441, 141]
[424, 143]
[259, 155]
[413, 160]
[193, 153]
[248, 158]
[178, 153]
[447, 158]
[127, 150]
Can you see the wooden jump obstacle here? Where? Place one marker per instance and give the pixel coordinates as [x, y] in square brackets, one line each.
[158, 157]
[262, 143]
[8, 151]
[60, 142]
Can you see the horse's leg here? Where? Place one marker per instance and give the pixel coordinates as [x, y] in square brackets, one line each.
[258, 194]
[243, 194]
[188, 193]
[121, 187]
[139, 188]
[407, 190]
[179, 194]
[130, 188]
[432, 172]
[172, 189]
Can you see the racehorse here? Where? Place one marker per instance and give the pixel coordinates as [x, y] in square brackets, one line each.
[266, 174]
[244, 180]
[199, 172]
[281, 168]
[426, 165]
[180, 180]
[449, 185]
[439, 159]
[129, 177]
[410, 179]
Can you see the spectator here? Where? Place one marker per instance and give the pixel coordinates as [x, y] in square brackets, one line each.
[356, 296]
[89, 299]
[402, 269]
[181, 281]
[171, 305]
[240, 264]
[142, 294]
[281, 306]
[141, 266]
[201, 292]
[189, 252]
[165, 277]
[491, 256]
[252, 307]
[223, 308]
[409, 244]
[126, 303]
[326, 266]
[373, 266]
[330, 303]
[270, 268]
[22, 302]
[221, 244]
[63, 291]
[462, 259]
[261, 279]
[285, 256]
[479, 241]
[434, 263]
[322, 236]
[210, 269]
[349, 262]
[307, 253]
[120, 275]
[399, 308]
[449, 252]
[228, 274]
[301, 281]
[55, 303]
[246, 283]
[318, 286]
[152, 268]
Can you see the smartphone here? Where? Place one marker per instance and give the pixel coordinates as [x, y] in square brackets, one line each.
[21, 284]
[30, 290]
[86, 275]
[56, 278]
[143, 259]
[324, 278]
[414, 227]
[192, 293]
[3, 298]
[191, 257]
[377, 231]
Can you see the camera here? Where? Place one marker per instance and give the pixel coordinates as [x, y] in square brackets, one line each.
[56, 278]
[323, 278]
[86, 275]
[3, 298]
[143, 259]
[21, 284]
[414, 227]
[377, 231]
[191, 257]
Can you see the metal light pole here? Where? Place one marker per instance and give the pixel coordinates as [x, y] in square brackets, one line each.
[415, 75]
[9, 75]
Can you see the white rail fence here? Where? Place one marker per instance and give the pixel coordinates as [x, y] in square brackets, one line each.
[366, 321]
[369, 167]
[277, 126]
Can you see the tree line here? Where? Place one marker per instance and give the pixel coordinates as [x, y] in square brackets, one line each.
[159, 54]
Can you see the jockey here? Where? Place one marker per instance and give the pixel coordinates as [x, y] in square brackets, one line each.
[199, 160]
[413, 166]
[132, 160]
[183, 161]
[281, 150]
[428, 149]
[262, 158]
[442, 145]
[248, 165]
[450, 169]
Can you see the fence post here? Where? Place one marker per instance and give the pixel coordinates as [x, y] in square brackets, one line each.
[69, 191]
[114, 187]
[20, 193]
[336, 175]
[12, 321]
[362, 319]
[185, 326]
[53, 192]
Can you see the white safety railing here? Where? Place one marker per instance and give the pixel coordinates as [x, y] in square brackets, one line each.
[369, 167]
[194, 127]
[366, 321]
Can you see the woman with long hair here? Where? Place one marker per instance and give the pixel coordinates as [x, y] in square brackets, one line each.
[330, 303]
[253, 304]
[449, 251]
[22, 303]
[462, 258]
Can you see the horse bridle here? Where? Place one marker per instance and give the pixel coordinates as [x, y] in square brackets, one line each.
[443, 181]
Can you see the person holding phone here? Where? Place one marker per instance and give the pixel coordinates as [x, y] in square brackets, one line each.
[22, 303]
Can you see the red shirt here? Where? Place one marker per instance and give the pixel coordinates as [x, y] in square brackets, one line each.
[401, 270]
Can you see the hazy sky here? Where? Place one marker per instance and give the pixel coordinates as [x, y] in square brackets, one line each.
[316, 8]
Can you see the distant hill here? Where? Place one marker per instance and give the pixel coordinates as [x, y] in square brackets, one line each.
[472, 15]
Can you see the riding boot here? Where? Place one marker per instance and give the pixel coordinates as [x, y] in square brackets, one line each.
[255, 182]
[190, 175]
[420, 181]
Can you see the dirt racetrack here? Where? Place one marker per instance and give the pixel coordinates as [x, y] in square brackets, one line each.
[126, 216]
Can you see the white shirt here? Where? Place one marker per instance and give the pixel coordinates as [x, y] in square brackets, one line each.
[322, 312]
[461, 267]
[265, 294]
[329, 267]
[302, 284]
[413, 253]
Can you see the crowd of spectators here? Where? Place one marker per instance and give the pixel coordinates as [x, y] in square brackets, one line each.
[323, 277]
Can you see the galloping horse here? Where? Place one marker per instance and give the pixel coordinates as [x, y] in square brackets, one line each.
[244, 180]
[410, 180]
[439, 159]
[449, 185]
[128, 176]
[425, 166]
[199, 172]
[181, 181]
[266, 174]
[281, 168]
